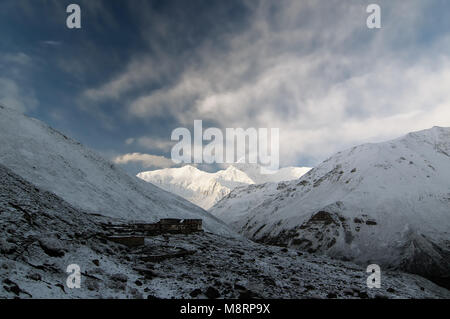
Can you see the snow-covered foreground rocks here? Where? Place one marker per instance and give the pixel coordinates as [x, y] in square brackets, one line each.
[41, 234]
[386, 203]
[56, 163]
[206, 189]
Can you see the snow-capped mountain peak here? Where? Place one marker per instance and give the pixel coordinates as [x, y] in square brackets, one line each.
[205, 189]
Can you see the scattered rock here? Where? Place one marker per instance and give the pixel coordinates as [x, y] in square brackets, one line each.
[92, 285]
[391, 290]
[119, 277]
[212, 293]
[332, 295]
[35, 277]
[148, 273]
[239, 287]
[51, 247]
[194, 293]
[117, 285]
[363, 295]
[310, 287]
[248, 294]
[11, 286]
[60, 286]
[269, 281]
[355, 289]
[7, 248]
[348, 292]
[96, 262]
[136, 294]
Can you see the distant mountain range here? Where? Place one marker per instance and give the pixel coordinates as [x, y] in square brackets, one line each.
[206, 189]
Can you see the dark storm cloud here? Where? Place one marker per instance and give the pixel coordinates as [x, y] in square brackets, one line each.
[138, 69]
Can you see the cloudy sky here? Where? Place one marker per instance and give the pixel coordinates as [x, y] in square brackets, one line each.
[139, 69]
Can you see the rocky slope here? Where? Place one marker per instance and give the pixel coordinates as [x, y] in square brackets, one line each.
[387, 203]
[56, 163]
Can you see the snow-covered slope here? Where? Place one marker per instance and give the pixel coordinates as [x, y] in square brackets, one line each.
[235, 207]
[205, 189]
[283, 174]
[41, 234]
[387, 203]
[58, 164]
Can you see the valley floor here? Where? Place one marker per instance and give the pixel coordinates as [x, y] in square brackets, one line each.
[218, 268]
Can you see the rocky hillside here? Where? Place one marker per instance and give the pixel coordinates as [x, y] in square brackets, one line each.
[56, 163]
[387, 203]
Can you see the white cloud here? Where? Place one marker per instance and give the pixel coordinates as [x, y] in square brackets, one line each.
[146, 160]
[52, 42]
[155, 143]
[151, 143]
[12, 96]
[139, 72]
[315, 71]
[19, 58]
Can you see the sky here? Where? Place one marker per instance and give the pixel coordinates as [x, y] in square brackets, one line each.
[137, 70]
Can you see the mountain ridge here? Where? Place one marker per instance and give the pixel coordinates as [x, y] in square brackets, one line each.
[386, 202]
[63, 166]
